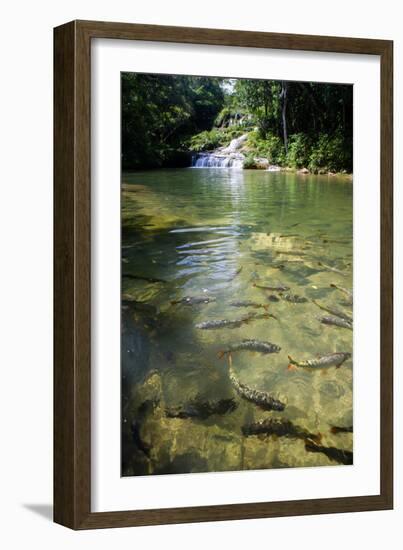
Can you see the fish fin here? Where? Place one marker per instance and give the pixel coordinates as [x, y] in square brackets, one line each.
[319, 437]
[334, 430]
[221, 354]
[292, 367]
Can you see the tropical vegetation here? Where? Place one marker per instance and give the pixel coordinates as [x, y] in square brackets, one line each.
[167, 118]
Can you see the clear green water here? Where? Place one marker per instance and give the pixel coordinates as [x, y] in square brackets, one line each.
[194, 229]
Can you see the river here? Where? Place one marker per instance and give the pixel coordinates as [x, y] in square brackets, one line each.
[221, 233]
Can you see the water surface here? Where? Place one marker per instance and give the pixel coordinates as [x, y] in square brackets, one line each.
[215, 233]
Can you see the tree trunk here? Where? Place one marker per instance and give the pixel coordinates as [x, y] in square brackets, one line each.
[284, 89]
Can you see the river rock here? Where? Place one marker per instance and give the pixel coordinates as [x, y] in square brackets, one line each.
[261, 163]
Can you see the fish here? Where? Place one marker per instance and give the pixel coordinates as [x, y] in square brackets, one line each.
[338, 241]
[128, 302]
[251, 345]
[286, 251]
[193, 300]
[277, 288]
[333, 453]
[232, 323]
[279, 427]
[321, 362]
[345, 291]
[334, 311]
[336, 321]
[341, 429]
[197, 408]
[260, 398]
[143, 278]
[294, 298]
[248, 303]
[333, 269]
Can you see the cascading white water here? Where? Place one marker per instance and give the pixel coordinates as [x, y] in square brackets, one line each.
[224, 157]
[214, 160]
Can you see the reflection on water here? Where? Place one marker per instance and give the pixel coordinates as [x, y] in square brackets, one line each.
[198, 246]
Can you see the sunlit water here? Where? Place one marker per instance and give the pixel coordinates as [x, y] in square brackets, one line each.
[216, 233]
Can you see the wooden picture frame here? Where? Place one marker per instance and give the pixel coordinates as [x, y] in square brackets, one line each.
[72, 269]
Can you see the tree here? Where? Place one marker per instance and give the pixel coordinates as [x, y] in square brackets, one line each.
[257, 95]
[283, 97]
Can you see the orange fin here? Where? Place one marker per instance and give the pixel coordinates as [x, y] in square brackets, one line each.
[292, 367]
[221, 354]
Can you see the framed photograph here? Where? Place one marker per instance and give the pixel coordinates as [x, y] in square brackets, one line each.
[222, 200]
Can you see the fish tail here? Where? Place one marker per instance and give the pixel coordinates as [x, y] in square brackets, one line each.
[318, 437]
[292, 363]
[222, 354]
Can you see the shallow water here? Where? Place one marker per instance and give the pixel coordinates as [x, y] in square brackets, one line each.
[215, 233]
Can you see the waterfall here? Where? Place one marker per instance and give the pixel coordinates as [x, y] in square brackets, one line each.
[216, 160]
[223, 157]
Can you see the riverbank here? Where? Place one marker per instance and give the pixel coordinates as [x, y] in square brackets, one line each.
[249, 151]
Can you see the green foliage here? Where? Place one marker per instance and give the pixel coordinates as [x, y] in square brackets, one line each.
[161, 112]
[259, 98]
[271, 147]
[249, 161]
[217, 137]
[205, 141]
[299, 148]
[164, 117]
[330, 154]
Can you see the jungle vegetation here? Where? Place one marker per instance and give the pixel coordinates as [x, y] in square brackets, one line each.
[166, 118]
